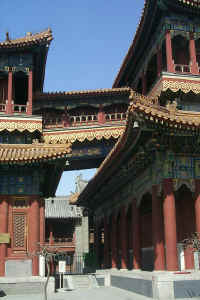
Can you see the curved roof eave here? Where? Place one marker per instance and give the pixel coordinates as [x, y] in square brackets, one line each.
[149, 110]
[130, 52]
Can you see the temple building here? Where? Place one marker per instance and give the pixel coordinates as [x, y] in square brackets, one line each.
[29, 169]
[66, 229]
[42, 135]
[145, 195]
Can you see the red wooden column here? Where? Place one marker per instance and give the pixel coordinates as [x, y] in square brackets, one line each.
[123, 237]
[114, 242]
[3, 229]
[144, 84]
[193, 58]
[96, 243]
[9, 109]
[159, 61]
[51, 238]
[30, 93]
[170, 62]
[106, 248]
[42, 221]
[34, 233]
[169, 212]
[136, 236]
[101, 115]
[157, 230]
[65, 118]
[197, 204]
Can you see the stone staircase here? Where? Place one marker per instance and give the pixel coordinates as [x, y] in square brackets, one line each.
[22, 286]
[81, 282]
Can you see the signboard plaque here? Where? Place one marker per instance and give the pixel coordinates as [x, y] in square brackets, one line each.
[62, 266]
[4, 238]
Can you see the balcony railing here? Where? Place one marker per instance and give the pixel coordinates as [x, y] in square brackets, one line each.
[73, 121]
[115, 117]
[83, 119]
[2, 107]
[53, 122]
[60, 240]
[182, 68]
[20, 108]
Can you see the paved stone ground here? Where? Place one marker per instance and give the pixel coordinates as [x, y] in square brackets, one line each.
[111, 293]
[83, 294]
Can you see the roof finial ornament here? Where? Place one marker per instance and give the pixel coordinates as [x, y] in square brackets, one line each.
[7, 37]
[28, 34]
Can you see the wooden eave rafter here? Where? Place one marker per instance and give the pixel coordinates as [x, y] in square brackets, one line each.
[32, 153]
[82, 135]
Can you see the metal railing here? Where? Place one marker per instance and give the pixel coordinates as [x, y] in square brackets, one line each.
[74, 263]
[182, 68]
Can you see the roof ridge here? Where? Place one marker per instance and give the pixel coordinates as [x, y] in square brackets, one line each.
[39, 145]
[85, 91]
[45, 35]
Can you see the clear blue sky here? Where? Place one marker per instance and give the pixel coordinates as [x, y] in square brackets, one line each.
[91, 39]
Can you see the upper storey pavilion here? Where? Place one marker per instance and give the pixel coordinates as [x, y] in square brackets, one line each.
[164, 57]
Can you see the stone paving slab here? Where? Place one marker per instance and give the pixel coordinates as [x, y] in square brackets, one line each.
[83, 294]
[110, 293]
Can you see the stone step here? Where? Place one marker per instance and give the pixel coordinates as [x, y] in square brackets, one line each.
[22, 286]
[83, 281]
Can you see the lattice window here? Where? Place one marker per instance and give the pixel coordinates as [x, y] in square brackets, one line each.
[19, 231]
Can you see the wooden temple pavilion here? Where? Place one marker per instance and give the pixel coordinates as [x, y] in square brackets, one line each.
[41, 135]
[29, 169]
[148, 185]
[145, 196]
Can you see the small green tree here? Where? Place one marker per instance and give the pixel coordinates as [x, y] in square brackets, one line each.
[48, 256]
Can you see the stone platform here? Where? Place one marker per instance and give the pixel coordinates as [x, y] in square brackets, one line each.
[157, 285]
[25, 285]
